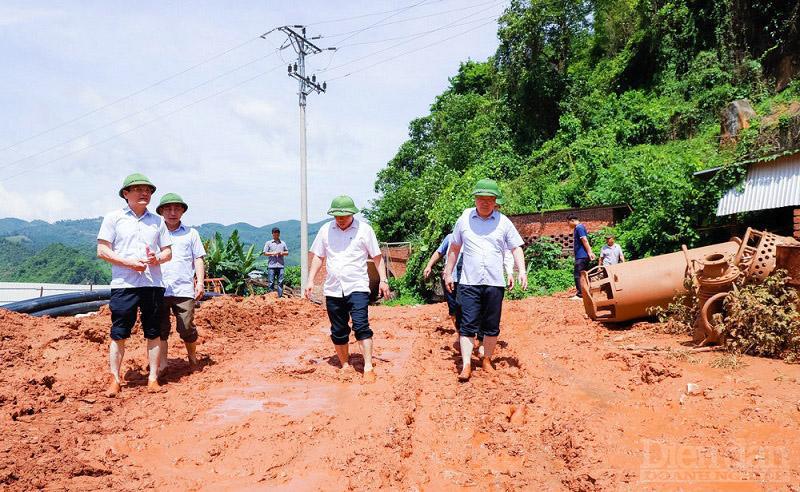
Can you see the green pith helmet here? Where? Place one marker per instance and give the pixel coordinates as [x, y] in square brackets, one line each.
[500, 200]
[486, 187]
[171, 198]
[133, 180]
[342, 205]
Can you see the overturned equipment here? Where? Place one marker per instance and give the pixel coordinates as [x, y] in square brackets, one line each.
[631, 290]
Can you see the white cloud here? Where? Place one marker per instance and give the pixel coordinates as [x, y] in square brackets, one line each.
[234, 156]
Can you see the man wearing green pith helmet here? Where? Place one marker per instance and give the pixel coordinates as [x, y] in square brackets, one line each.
[346, 243]
[482, 234]
[135, 242]
[183, 279]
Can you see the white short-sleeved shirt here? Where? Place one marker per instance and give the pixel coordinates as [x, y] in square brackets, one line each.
[611, 254]
[130, 236]
[346, 253]
[178, 272]
[483, 243]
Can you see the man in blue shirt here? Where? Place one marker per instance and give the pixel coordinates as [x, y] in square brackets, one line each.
[276, 250]
[582, 250]
[482, 234]
[453, 309]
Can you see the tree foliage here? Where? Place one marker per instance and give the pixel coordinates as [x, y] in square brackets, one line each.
[229, 260]
[592, 102]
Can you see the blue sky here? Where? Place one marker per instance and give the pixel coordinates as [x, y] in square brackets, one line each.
[232, 156]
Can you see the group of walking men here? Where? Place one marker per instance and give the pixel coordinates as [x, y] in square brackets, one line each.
[157, 271]
[481, 255]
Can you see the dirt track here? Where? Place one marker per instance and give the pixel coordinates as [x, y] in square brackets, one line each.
[574, 405]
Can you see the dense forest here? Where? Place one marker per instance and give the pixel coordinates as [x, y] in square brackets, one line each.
[594, 102]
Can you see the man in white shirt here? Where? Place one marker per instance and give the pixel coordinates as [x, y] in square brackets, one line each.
[481, 234]
[611, 253]
[183, 279]
[136, 243]
[346, 243]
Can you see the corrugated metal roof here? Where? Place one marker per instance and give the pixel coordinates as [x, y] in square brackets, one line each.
[768, 185]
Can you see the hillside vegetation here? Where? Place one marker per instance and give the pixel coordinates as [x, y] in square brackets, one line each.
[589, 103]
[64, 251]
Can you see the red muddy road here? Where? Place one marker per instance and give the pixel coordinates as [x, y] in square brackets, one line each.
[573, 406]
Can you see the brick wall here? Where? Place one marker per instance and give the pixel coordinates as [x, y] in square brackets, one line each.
[796, 223]
[555, 226]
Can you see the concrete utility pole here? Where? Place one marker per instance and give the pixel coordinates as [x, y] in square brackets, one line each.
[302, 46]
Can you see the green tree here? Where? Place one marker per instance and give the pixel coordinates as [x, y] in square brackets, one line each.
[229, 260]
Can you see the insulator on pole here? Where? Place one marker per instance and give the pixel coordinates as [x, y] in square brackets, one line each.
[324, 85]
[313, 78]
[295, 67]
[290, 68]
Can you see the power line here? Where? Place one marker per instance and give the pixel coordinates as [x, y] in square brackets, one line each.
[380, 22]
[128, 96]
[411, 51]
[414, 35]
[130, 115]
[400, 21]
[446, 26]
[112, 137]
[344, 19]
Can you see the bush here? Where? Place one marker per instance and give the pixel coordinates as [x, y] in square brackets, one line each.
[291, 276]
[762, 319]
[680, 314]
[544, 282]
[401, 294]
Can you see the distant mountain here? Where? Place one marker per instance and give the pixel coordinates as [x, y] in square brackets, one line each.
[33, 237]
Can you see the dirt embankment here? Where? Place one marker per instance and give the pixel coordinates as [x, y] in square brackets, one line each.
[573, 406]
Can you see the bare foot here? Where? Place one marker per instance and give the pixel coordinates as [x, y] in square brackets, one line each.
[486, 364]
[369, 376]
[113, 388]
[465, 373]
[153, 386]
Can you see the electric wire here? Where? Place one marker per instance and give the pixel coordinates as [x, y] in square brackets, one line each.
[129, 96]
[136, 113]
[345, 19]
[399, 21]
[153, 120]
[411, 51]
[415, 37]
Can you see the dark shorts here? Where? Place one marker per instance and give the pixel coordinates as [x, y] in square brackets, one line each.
[183, 309]
[125, 303]
[453, 307]
[341, 310]
[481, 306]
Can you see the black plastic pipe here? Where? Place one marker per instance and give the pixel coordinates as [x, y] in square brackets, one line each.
[71, 309]
[57, 300]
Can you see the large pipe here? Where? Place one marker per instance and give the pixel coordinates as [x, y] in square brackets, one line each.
[71, 309]
[630, 290]
[47, 302]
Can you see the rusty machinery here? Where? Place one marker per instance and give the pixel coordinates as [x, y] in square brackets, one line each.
[630, 290]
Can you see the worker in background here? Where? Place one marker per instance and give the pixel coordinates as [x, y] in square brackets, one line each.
[346, 243]
[481, 234]
[453, 309]
[276, 250]
[184, 279]
[582, 250]
[611, 252]
[135, 242]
